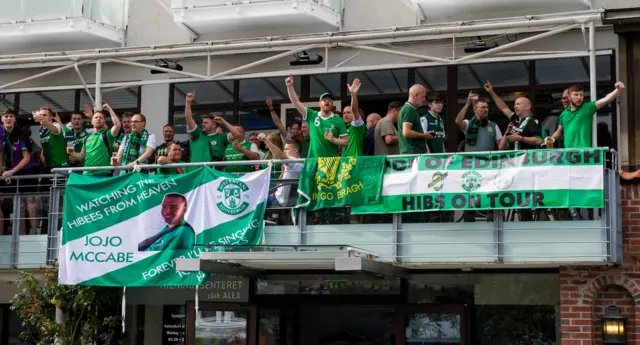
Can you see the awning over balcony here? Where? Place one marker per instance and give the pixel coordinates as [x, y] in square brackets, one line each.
[257, 260]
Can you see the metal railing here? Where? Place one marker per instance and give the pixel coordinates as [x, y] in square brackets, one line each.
[335, 5]
[428, 238]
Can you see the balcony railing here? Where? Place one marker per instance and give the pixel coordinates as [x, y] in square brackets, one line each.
[335, 5]
[32, 218]
[111, 13]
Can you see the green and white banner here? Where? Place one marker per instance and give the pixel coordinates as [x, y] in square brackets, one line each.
[536, 179]
[129, 230]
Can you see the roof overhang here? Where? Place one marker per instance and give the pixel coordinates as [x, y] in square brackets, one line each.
[341, 259]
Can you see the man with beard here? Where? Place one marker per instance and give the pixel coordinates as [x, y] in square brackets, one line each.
[327, 130]
[177, 234]
[125, 130]
[481, 133]
[576, 121]
[75, 137]
[174, 156]
[98, 146]
[411, 137]
[295, 131]
[526, 133]
[169, 132]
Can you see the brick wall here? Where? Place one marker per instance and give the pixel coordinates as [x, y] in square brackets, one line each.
[586, 292]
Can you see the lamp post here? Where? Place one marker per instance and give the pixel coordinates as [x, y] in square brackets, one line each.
[614, 327]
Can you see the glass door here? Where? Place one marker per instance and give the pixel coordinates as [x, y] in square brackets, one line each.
[221, 324]
[433, 325]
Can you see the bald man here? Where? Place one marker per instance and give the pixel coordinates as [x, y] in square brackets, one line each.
[369, 136]
[411, 138]
[526, 133]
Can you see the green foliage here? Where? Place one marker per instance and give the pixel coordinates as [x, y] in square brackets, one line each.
[90, 314]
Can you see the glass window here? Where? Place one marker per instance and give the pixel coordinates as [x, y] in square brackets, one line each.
[322, 83]
[181, 124]
[252, 119]
[126, 98]
[59, 101]
[261, 88]
[210, 92]
[500, 74]
[379, 82]
[222, 327]
[7, 101]
[574, 70]
[432, 329]
[515, 324]
[433, 78]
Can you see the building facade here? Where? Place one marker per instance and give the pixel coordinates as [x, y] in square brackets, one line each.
[468, 283]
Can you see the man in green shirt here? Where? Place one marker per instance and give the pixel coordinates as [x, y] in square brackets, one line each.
[173, 156]
[52, 140]
[411, 138]
[355, 126]
[177, 234]
[576, 122]
[75, 137]
[206, 144]
[241, 151]
[326, 130]
[433, 122]
[98, 146]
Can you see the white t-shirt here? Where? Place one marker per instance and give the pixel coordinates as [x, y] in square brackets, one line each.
[291, 171]
[496, 130]
[151, 142]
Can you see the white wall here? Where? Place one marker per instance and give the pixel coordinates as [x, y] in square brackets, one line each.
[155, 107]
[371, 14]
[151, 24]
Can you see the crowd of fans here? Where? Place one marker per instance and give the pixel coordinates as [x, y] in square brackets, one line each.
[322, 133]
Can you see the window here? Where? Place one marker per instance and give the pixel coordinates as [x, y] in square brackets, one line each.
[575, 70]
[500, 74]
[377, 82]
[126, 98]
[261, 88]
[206, 92]
[59, 101]
[7, 101]
[433, 78]
[322, 83]
[258, 118]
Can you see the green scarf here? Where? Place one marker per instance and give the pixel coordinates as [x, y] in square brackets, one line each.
[472, 130]
[135, 146]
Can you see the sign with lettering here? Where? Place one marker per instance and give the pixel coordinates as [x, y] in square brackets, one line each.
[130, 230]
[217, 289]
[537, 179]
[173, 324]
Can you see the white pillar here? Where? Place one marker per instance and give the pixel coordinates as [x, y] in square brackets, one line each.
[154, 105]
[593, 79]
[98, 95]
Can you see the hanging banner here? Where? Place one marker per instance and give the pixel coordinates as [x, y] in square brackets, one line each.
[538, 179]
[129, 230]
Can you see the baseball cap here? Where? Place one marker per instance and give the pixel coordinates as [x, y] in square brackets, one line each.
[326, 94]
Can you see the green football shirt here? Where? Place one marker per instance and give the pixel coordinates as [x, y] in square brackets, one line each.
[233, 155]
[180, 237]
[432, 123]
[54, 147]
[75, 140]
[409, 114]
[356, 133]
[319, 128]
[96, 152]
[577, 125]
[204, 148]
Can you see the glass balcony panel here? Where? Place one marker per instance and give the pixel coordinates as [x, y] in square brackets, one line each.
[376, 238]
[335, 5]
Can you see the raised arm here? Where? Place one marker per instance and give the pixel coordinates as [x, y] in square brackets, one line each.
[353, 89]
[463, 112]
[235, 133]
[276, 119]
[499, 102]
[49, 125]
[293, 96]
[275, 150]
[115, 130]
[188, 115]
[611, 96]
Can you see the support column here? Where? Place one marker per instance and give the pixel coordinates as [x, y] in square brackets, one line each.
[593, 79]
[154, 104]
[98, 98]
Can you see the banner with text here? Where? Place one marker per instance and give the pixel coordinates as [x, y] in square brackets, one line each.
[328, 182]
[501, 180]
[129, 230]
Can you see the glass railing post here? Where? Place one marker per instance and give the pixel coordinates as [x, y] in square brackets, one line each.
[397, 238]
[53, 233]
[302, 226]
[15, 232]
[498, 235]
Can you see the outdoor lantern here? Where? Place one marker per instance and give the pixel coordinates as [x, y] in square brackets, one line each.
[614, 327]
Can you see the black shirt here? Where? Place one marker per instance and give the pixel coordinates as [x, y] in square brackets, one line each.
[162, 150]
[529, 127]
